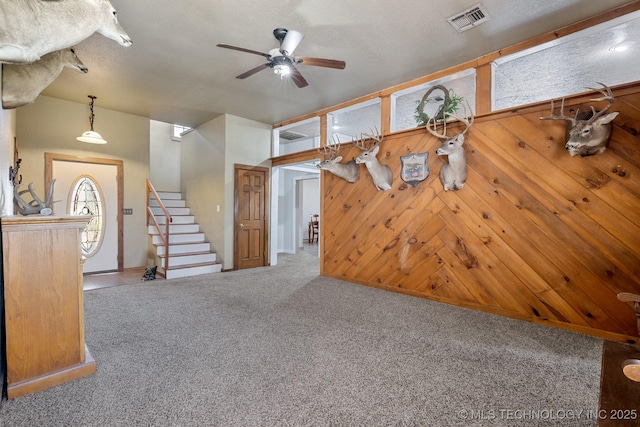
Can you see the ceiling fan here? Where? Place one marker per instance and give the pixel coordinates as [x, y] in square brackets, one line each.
[281, 59]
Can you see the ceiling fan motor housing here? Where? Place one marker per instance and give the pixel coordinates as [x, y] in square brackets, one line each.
[279, 33]
[280, 60]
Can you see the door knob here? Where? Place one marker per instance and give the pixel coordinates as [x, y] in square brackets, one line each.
[241, 225]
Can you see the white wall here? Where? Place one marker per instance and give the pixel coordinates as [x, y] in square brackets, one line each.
[247, 142]
[208, 156]
[202, 180]
[51, 125]
[164, 157]
[7, 133]
[286, 210]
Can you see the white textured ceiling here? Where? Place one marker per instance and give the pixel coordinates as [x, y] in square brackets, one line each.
[174, 72]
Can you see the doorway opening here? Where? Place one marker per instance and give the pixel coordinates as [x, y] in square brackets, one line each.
[296, 198]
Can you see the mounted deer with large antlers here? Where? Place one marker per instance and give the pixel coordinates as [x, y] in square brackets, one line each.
[588, 132]
[349, 171]
[453, 173]
[370, 145]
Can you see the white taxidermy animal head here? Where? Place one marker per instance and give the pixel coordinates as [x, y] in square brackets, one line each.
[29, 29]
[22, 83]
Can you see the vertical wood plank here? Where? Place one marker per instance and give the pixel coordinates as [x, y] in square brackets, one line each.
[484, 83]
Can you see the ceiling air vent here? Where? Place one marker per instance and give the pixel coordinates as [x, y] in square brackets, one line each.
[468, 19]
[291, 135]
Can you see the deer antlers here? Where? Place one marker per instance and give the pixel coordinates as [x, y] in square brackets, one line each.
[463, 119]
[607, 96]
[364, 146]
[331, 150]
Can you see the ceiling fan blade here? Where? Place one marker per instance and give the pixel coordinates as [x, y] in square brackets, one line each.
[321, 62]
[241, 49]
[252, 71]
[297, 77]
[290, 42]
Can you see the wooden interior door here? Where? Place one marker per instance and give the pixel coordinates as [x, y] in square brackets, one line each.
[251, 218]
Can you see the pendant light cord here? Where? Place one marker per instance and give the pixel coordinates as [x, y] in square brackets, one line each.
[91, 116]
[91, 136]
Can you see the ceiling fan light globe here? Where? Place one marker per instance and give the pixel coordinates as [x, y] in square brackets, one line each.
[91, 137]
[282, 70]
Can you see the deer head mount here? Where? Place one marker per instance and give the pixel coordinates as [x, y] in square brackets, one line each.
[453, 173]
[35, 206]
[370, 145]
[588, 132]
[349, 171]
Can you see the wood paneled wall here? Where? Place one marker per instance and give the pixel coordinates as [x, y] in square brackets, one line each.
[535, 234]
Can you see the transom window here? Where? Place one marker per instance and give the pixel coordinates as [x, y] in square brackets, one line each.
[606, 53]
[86, 199]
[178, 130]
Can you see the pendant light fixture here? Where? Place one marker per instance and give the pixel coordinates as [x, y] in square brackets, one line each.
[91, 136]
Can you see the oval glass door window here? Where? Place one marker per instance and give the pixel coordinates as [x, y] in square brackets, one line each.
[86, 199]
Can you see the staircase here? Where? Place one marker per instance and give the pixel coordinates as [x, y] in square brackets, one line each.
[190, 253]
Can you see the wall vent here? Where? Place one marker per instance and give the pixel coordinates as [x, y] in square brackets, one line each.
[468, 19]
[291, 135]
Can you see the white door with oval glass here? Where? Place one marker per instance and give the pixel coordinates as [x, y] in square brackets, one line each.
[90, 189]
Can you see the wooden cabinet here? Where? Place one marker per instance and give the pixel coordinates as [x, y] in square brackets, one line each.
[44, 310]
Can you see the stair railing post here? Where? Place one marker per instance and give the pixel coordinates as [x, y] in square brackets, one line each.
[166, 246]
[150, 215]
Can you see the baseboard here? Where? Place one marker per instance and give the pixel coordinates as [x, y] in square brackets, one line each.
[32, 385]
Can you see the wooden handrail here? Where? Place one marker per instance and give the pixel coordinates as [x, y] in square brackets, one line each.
[150, 215]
